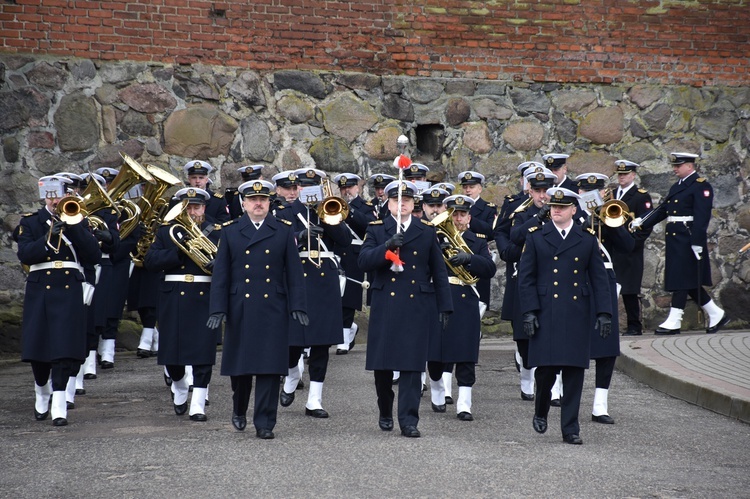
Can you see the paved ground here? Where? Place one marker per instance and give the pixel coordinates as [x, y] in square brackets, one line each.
[124, 440]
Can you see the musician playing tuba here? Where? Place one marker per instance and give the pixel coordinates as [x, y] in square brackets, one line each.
[184, 293]
[459, 343]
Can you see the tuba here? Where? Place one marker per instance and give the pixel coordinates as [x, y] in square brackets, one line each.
[446, 229]
[93, 199]
[153, 207]
[130, 175]
[189, 238]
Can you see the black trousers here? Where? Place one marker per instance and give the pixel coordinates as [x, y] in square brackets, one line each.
[571, 401]
[633, 310]
[201, 374]
[679, 298]
[409, 396]
[348, 315]
[60, 370]
[604, 369]
[266, 398]
[465, 372]
[523, 351]
[317, 362]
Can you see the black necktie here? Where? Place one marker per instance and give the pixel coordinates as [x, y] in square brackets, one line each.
[257, 225]
[619, 193]
[563, 233]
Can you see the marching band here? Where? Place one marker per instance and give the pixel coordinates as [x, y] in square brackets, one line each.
[199, 267]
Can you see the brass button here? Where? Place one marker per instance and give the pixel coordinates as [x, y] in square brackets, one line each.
[67, 287]
[49, 258]
[555, 283]
[67, 272]
[555, 295]
[268, 267]
[575, 259]
[575, 284]
[463, 296]
[265, 296]
[247, 252]
[415, 252]
[414, 267]
[268, 251]
[201, 293]
[247, 295]
[555, 258]
[411, 296]
[247, 266]
[305, 274]
[48, 272]
[182, 293]
[554, 270]
[575, 297]
[47, 286]
[393, 294]
[393, 279]
[304, 262]
[268, 280]
[183, 267]
[322, 274]
[575, 271]
[413, 281]
[247, 280]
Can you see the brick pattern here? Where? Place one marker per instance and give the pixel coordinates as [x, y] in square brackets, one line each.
[588, 41]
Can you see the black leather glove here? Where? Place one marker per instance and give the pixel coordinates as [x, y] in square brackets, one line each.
[544, 212]
[604, 323]
[57, 227]
[444, 318]
[301, 317]
[313, 230]
[530, 323]
[104, 236]
[215, 320]
[396, 241]
[461, 258]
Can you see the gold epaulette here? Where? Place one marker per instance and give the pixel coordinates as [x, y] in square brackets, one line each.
[230, 222]
[425, 222]
[376, 222]
[368, 203]
[491, 205]
[218, 195]
[284, 221]
[532, 229]
[700, 179]
[642, 190]
[279, 207]
[591, 231]
[217, 226]
[29, 214]
[482, 236]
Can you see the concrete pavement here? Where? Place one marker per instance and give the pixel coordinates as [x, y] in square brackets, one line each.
[124, 440]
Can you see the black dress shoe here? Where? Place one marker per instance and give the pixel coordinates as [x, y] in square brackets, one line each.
[264, 434]
[300, 385]
[527, 396]
[341, 351]
[604, 419]
[632, 332]
[438, 408]
[410, 431]
[89, 376]
[286, 399]
[181, 409]
[167, 380]
[540, 424]
[143, 354]
[554, 402]
[80, 391]
[316, 413]
[722, 322]
[70, 405]
[449, 400]
[572, 439]
[40, 416]
[666, 332]
[59, 422]
[351, 345]
[386, 424]
[465, 416]
[239, 422]
[107, 364]
[198, 417]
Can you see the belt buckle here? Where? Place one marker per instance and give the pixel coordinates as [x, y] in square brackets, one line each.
[314, 253]
[58, 264]
[189, 277]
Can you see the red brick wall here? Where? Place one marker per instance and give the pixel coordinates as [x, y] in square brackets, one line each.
[698, 42]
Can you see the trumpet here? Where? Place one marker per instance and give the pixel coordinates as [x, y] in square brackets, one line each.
[333, 209]
[189, 238]
[447, 229]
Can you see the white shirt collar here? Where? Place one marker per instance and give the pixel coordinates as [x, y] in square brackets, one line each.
[566, 229]
[405, 223]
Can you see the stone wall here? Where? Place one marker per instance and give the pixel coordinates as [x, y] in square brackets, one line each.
[67, 114]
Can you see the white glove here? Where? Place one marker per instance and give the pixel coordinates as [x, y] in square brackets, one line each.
[636, 223]
[697, 250]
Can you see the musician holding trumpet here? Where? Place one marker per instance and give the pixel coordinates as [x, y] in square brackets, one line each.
[183, 250]
[55, 242]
